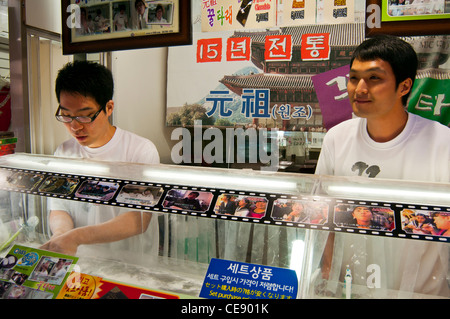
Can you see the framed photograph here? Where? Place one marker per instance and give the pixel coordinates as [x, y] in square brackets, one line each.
[99, 26]
[407, 17]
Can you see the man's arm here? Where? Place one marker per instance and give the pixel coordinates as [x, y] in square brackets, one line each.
[325, 167]
[327, 257]
[66, 240]
[60, 222]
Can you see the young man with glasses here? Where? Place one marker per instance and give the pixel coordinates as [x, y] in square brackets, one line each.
[84, 91]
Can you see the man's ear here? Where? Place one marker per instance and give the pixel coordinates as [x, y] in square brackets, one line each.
[109, 107]
[405, 86]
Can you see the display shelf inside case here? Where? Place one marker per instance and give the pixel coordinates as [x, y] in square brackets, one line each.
[276, 219]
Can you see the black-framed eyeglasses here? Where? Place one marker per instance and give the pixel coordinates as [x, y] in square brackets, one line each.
[79, 119]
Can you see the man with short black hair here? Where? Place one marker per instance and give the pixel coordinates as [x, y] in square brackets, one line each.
[84, 91]
[386, 141]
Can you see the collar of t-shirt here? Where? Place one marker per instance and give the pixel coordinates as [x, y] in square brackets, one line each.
[392, 143]
[107, 147]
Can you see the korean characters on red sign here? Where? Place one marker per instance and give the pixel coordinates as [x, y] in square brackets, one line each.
[278, 47]
[315, 46]
[239, 49]
[210, 50]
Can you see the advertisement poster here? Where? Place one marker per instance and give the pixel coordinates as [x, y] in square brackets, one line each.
[232, 15]
[255, 77]
[296, 12]
[273, 76]
[83, 286]
[29, 273]
[336, 11]
[224, 15]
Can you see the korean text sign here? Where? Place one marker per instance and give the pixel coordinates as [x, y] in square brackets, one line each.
[235, 280]
[331, 90]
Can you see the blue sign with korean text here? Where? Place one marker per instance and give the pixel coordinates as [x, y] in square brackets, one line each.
[227, 279]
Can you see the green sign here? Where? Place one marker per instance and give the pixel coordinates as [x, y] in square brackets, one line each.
[31, 273]
[430, 98]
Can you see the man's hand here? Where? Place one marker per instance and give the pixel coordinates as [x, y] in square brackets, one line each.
[65, 244]
[63, 239]
[66, 239]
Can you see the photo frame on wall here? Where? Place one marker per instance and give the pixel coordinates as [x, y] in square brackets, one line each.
[407, 17]
[90, 26]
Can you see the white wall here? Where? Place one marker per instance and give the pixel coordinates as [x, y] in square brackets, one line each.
[140, 95]
[44, 14]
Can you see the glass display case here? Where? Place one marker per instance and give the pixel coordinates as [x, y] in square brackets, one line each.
[393, 236]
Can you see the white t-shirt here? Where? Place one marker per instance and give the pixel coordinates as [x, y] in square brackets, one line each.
[123, 147]
[422, 153]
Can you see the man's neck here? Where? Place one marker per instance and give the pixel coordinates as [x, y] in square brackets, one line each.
[383, 130]
[109, 134]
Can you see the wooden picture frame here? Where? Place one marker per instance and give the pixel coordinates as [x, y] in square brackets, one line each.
[409, 24]
[94, 26]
